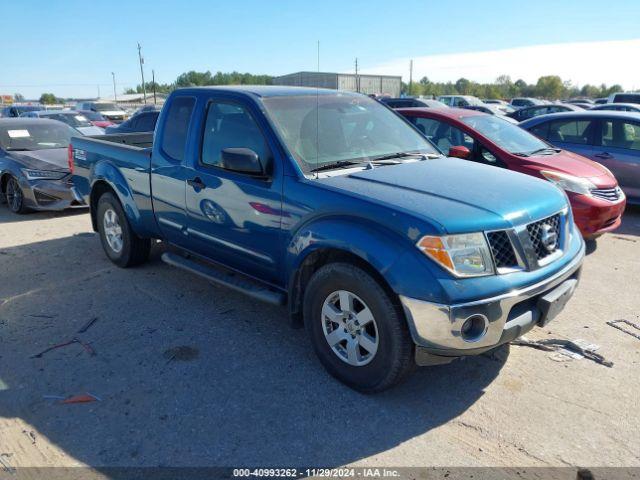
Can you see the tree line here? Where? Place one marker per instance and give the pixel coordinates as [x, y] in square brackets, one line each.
[199, 79]
[550, 87]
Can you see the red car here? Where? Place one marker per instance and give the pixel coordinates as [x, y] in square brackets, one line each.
[596, 199]
[96, 119]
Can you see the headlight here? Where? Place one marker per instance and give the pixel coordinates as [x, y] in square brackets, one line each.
[465, 255]
[569, 182]
[43, 174]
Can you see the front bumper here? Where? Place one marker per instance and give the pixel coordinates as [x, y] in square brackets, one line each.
[594, 216]
[51, 195]
[437, 329]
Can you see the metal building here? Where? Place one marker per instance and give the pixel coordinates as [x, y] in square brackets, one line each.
[367, 84]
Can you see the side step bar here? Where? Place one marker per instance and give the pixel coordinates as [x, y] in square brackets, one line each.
[226, 279]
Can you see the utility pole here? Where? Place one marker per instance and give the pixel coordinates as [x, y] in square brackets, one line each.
[98, 91]
[115, 97]
[410, 76]
[153, 82]
[357, 78]
[144, 89]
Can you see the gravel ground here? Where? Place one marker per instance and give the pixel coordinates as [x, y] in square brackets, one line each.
[240, 387]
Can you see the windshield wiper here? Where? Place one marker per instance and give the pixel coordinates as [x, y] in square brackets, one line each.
[545, 149]
[332, 165]
[11, 149]
[391, 156]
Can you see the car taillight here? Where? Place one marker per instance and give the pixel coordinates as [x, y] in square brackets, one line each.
[70, 157]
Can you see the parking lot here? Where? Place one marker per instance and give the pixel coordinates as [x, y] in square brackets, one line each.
[246, 389]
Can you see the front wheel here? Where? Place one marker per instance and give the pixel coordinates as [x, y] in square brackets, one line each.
[357, 331]
[15, 196]
[120, 243]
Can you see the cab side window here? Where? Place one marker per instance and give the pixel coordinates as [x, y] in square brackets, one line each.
[176, 127]
[230, 125]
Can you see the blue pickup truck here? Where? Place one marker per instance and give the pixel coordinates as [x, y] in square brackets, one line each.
[389, 253]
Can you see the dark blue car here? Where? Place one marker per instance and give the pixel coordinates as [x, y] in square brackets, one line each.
[142, 122]
[607, 137]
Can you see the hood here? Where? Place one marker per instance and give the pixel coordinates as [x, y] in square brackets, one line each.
[458, 195]
[49, 159]
[573, 164]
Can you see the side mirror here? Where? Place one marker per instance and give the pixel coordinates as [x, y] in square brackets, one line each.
[460, 151]
[242, 160]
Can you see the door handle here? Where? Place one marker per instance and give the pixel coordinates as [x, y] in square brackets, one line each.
[197, 183]
[604, 155]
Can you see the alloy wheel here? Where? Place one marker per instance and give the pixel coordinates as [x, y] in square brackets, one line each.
[14, 195]
[112, 230]
[350, 328]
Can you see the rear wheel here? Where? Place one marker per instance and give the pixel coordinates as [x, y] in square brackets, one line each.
[358, 333]
[120, 243]
[15, 196]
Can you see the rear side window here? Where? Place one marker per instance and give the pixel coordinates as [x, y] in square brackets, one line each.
[446, 136]
[176, 127]
[230, 125]
[541, 130]
[569, 131]
[427, 126]
[620, 134]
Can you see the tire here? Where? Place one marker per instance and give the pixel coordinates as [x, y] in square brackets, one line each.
[14, 196]
[120, 243]
[386, 330]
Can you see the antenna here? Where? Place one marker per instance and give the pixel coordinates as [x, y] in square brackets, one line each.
[318, 111]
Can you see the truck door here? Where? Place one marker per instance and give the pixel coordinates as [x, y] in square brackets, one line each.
[168, 170]
[234, 218]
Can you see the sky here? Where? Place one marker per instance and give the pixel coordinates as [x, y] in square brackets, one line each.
[70, 47]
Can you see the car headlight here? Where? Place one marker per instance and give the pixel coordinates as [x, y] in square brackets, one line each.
[569, 182]
[464, 255]
[43, 174]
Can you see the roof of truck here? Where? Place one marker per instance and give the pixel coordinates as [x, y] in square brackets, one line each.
[272, 90]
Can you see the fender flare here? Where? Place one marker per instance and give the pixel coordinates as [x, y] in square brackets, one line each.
[106, 173]
[376, 247]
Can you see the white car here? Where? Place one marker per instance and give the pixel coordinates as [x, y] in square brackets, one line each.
[108, 110]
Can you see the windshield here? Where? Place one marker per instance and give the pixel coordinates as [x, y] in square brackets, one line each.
[72, 119]
[35, 136]
[320, 130]
[94, 116]
[506, 135]
[474, 101]
[105, 107]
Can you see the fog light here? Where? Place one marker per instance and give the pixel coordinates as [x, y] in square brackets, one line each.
[474, 328]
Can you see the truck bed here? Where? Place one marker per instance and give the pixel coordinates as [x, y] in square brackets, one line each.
[138, 140]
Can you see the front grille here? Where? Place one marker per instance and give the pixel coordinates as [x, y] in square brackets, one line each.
[545, 236]
[502, 250]
[611, 194]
